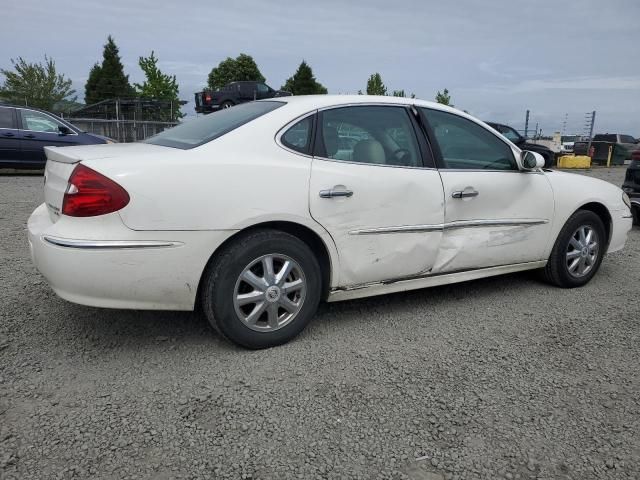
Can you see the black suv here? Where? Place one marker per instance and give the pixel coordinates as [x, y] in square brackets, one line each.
[631, 185]
[511, 134]
[234, 93]
[25, 131]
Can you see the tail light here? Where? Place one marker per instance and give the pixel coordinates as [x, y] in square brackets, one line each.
[90, 193]
[207, 98]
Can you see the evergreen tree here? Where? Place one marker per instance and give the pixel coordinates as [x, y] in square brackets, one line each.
[444, 98]
[159, 86]
[35, 84]
[108, 79]
[243, 67]
[375, 85]
[303, 82]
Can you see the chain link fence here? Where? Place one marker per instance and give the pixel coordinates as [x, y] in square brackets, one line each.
[121, 130]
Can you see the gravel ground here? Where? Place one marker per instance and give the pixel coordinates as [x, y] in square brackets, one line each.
[498, 378]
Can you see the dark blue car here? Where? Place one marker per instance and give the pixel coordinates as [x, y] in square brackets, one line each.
[25, 131]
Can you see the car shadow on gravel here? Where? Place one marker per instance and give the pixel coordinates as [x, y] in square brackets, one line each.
[147, 329]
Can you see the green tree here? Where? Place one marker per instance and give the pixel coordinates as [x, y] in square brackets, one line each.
[159, 86]
[375, 85]
[303, 82]
[35, 84]
[444, 98]
[243, 67]
[108, 80]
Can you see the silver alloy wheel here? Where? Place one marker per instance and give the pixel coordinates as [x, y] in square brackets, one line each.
[582, 251]
[269, 292]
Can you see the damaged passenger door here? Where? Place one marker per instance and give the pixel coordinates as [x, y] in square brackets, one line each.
[374, 188]
[495, 213]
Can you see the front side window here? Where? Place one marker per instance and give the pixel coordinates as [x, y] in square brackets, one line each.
[39, 122]
[298, 137]
[262, 88]
[6, 117]
[627, 139]
[381, 135]
[201, 130]
[466, 145]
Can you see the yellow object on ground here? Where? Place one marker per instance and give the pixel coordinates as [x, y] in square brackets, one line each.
[574, 161]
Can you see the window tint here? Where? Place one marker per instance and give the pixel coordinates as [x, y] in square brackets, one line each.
[627, 139]
[608, 137]
[262, 88]
[298, 137]
[369, 134]
[38, 122]
[6, 117]
[204, 129]
[465, 144]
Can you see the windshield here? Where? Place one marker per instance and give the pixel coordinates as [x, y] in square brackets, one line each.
[204, 129]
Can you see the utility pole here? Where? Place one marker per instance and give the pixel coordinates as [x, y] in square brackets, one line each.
[526, 124]
[564, 124]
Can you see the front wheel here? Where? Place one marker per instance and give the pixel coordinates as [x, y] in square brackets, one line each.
[263, 289]
[578, 251]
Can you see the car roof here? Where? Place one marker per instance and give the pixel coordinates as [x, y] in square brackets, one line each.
[310, 102]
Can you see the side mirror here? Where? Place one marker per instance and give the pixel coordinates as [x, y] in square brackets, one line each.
[64, 130]
[531, 160]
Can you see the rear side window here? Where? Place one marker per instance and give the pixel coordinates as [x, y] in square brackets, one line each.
[204, 129]
[298, 137]
[606, 137]
[6, 118]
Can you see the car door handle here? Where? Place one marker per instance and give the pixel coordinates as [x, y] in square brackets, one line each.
[29, 135]
[466, 193]
[335, 192]
[8, 134]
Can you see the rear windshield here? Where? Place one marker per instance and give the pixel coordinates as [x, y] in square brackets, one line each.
[204, 129]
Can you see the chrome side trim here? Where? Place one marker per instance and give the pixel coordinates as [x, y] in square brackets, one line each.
[383, 288]
[451, 226]
[109, 244]
[399, 229]
[495, 223]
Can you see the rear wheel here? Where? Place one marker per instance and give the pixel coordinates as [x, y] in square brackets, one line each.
[263, 289]
[227, 104]
[578, 251]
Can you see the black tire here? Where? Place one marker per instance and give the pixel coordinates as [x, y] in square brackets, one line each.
[635, 211]
[557, 270]
[226, 104]
[222, 277]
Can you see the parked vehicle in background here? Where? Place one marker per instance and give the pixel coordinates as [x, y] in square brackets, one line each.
[234, 93]
[25, 131]
[567, 143]
[513, 135]
[632, 185]
[626, 141]
[254, 214]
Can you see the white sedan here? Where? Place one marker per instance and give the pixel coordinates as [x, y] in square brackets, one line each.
[259, 212]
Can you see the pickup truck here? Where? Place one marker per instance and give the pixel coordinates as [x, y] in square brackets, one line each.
[512, 134]
[626, 141]
[208, 101]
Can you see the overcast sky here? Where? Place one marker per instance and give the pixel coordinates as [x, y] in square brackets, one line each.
[497, 58]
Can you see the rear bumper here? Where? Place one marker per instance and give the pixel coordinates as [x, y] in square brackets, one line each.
[123, 268]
